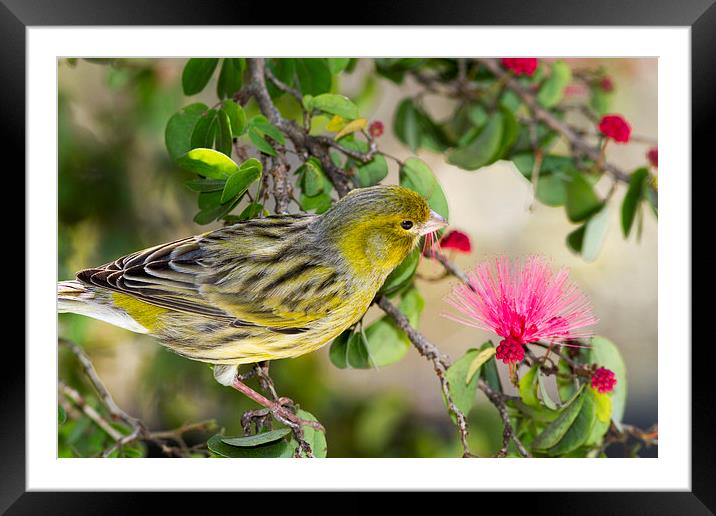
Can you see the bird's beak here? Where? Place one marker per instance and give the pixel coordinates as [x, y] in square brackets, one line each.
[434, 223]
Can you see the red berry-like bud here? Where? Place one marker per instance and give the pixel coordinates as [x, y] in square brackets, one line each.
[615, 127]
[376, 129]
[603, 380]
[510, 352]
[653, 157]
[520, 66]
[606, 84]
[456, 240]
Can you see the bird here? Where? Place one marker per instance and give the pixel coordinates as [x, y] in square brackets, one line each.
[261, 289]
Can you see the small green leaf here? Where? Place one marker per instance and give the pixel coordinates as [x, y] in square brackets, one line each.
[488, 371]
[417, 176]
[230, 77]
[204, 131]
[373, 172]
[566, 386]
[312, 177]
[61, 415]
[314, 76]
[633, 198]
[484, 149]
[339, 350]
[552, 90]
[546, 400]
[552, 190]
[196, 74]
[223, 133]
[552, 434]
[483, 356]
[205, 185]
[315, 438]
[582, 201]
[595, 230]
[260, 123]
[237, 184]
[272, 450]
[462, 393]
[261, 144]
[251, 211]
[208, 163]
[357, 355]
[336, 105]
[405, 124]
[528, 387]
[575, 239]
[180, 127]
[580, 429]
[209, 215]
[237, 117]
[250, 441]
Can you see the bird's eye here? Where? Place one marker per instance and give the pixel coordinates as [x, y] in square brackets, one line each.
[406, 224]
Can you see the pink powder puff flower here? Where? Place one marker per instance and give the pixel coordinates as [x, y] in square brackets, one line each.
[522, 303]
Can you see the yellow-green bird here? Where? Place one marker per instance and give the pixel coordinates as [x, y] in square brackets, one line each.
[262, 289]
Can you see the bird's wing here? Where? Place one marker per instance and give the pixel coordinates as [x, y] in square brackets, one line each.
[259, 272]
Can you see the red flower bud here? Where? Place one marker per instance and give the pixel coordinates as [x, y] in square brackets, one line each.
[653, 157]
[603, 380]
[510, 352]
[456, 240]
[376, 129]
[615, 127]
[606, 84]
[520, 66]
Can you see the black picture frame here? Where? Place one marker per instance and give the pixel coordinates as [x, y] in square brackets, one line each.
[699, 15]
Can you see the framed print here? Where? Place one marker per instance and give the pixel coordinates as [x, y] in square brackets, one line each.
[430, 258]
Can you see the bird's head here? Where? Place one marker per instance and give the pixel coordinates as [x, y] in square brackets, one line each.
[376, 228]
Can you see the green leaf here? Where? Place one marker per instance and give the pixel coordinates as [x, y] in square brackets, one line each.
[552, 190]
[312, 177]
[484, 149]
[314, 76]
[223, 133]
[61, 415]
[315, 438]
[566, 386]
[546, 400]
[209, 215]
[272, 450]
[483, 356]
[582, 201]
[205, 185]
[336, 105]
[263, 126]
[196, 74]
[405, 124]
[230, 77]
[385, 342]
[606, 354]
[339, 350]
[208, 163]
[556, 430]
[204, 131]
[337, 64]
[237, 117]
[357, 355]
[528, 387]
[633, 198]
[417, 176]
[488, 371]
[462, 393]
[261, 144]
[373, 172]
[580, 430]
[401, 275]
[575, 239]
[595, 230]
[250, 441]
[237, 184]
[601, 100]
[552, 90]
[510, 131]
[180, 127]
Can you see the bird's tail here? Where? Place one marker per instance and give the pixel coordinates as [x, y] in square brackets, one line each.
[72, 296]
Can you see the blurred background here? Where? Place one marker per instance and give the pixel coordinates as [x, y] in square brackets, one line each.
[119, 192]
